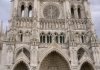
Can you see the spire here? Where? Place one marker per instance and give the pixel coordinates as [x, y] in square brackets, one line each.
[1, 27]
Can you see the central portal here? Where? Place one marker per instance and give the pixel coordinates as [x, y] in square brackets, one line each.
[54, 61]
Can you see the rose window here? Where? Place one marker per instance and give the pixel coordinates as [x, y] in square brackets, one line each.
[51, 12]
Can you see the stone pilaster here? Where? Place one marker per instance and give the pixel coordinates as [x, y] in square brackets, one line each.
[26, 12]
[76, 12]
[68, 15]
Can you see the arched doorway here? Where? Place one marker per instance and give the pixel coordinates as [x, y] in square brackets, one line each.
[21, 66]
[54, 61]
[87, 66]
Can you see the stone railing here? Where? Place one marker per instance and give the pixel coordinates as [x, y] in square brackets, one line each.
[23, 22]
[78, 24]
[52, 23]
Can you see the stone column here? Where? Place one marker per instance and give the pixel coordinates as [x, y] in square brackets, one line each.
[26, 12]
[68, 9]
[75, 12]
[46, 39]
[12, 8]
[34, 54]
[87, 9]
[16, 3]
[58, 39]
[19, 11]
[82, 14]
[73, 56]
[35, 5]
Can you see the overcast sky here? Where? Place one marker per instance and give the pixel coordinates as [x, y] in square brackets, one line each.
[94, 5]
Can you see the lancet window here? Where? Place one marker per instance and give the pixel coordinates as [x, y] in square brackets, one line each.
[72, 12]
[62, 38]
[82, 38]
[79, 13]
[49, 38]
[30, 11]
[22, 10]
[21, 36]
[42, 38]
[56, 37]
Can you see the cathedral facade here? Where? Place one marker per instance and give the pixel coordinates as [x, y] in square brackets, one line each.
[49, 35]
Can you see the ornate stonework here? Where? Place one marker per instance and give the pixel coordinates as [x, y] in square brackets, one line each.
[49, 35]
[51, 12]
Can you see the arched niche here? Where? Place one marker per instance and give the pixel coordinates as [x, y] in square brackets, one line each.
[25, 51]
[54, 61]
[80, 53]
[21, 66]
[86, 66]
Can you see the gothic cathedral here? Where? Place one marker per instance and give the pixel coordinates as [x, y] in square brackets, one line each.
[49, 35]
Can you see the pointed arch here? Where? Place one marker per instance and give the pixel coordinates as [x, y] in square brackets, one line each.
[24, 50]
[19, 63]
[53, 51]
[87, 65]
[80, 47]
[56, 49]
[80, 53]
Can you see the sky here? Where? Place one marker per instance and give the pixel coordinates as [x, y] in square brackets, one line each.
[94, 6]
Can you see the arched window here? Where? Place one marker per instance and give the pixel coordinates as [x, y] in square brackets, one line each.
[79, 13]
[62, 38]
[72, 12]
[49, 38]
[21, 36]
[80, 53]
[30, 11]
[83, 38]
[22, 10]
[42, 38]
[56, 37]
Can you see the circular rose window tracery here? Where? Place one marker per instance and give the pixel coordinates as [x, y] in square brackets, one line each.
[51, 12]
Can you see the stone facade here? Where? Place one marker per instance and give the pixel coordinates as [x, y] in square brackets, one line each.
[49, 35]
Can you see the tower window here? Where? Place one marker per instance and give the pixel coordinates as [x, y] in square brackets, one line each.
[30, 11]
[72, 12]
[22, 10]
[79, 13]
